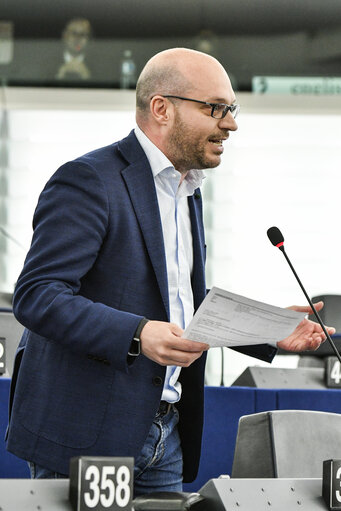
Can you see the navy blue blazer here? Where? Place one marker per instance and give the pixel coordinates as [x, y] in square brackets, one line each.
[96, 266]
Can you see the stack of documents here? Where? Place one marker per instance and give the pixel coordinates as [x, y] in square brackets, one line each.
[227, 319]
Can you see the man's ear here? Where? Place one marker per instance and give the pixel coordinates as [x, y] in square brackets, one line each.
[161, 109]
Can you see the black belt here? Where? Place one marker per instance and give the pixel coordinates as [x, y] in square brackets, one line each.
[164, 408]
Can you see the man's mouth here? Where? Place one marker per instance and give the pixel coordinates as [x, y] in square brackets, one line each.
[217, 140]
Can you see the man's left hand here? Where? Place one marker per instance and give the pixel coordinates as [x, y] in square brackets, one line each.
[308, 335]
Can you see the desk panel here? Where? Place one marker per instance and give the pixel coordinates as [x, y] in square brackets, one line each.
[10, 465]
[223, 408]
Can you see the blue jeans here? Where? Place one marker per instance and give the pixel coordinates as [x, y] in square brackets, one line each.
[38, 472]
[157, 468]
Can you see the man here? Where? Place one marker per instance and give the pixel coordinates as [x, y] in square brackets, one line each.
[76, 36]
[117, 266]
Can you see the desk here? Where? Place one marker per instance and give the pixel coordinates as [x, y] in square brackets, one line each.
[223, 408]
[283, 495]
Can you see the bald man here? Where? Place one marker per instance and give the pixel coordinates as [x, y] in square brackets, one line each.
[114, 274]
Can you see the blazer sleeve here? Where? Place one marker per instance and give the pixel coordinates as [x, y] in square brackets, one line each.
[261, 351]
[70, 224]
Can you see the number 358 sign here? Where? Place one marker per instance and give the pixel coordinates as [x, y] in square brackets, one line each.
[101, 483]
[331, 484]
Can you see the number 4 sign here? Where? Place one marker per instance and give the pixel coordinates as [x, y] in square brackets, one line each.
[101, 483]
[333, 373]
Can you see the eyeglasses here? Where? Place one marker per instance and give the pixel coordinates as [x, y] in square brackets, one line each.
[218, 110]
[75, 33]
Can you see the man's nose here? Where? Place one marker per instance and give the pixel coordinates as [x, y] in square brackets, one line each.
[228, 122]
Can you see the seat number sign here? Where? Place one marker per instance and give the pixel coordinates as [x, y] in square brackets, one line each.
[333, 373]
[2, 355]
[101, 483]
[331, 484]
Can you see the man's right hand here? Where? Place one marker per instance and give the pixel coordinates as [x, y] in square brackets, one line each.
[162, 343]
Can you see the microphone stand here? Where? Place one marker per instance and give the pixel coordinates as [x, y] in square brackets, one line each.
[281, 247]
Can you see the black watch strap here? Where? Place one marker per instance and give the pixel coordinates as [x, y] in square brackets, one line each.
[135, 346]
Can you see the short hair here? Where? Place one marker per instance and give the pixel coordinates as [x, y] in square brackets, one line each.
[83, 21]
[159, 80]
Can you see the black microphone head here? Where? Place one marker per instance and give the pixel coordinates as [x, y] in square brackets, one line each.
[275, 236]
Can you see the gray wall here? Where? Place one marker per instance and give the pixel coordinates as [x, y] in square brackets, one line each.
[250, 37]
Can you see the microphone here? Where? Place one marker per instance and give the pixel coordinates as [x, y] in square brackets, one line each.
[277, 239]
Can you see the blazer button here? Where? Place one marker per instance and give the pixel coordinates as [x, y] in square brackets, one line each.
[157, 381]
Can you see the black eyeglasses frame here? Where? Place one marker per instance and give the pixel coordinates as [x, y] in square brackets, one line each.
[234, 109]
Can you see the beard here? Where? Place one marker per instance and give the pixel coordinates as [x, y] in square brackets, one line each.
[186, 150]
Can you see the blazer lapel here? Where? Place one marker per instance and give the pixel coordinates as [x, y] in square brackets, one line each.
[199, 255]
[141, 188]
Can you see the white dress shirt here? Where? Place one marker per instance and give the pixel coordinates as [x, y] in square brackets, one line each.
[177, 236]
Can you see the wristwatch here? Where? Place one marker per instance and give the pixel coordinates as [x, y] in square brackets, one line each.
[135, 346]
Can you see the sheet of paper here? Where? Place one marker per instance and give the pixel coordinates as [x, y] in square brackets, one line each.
[227, 319]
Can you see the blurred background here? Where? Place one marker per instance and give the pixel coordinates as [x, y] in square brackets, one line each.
[68, 72]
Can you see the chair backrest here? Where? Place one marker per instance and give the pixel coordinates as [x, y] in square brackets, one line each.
[286, 444]
[331, 312]
[12, 331]
[331, 316]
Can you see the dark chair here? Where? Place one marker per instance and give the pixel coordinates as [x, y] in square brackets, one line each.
[286, 444]
[330, 316]
[331, 312]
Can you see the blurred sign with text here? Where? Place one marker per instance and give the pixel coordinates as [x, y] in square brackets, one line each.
[296, 85]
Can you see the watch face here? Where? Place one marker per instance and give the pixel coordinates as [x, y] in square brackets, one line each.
[135, 348]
